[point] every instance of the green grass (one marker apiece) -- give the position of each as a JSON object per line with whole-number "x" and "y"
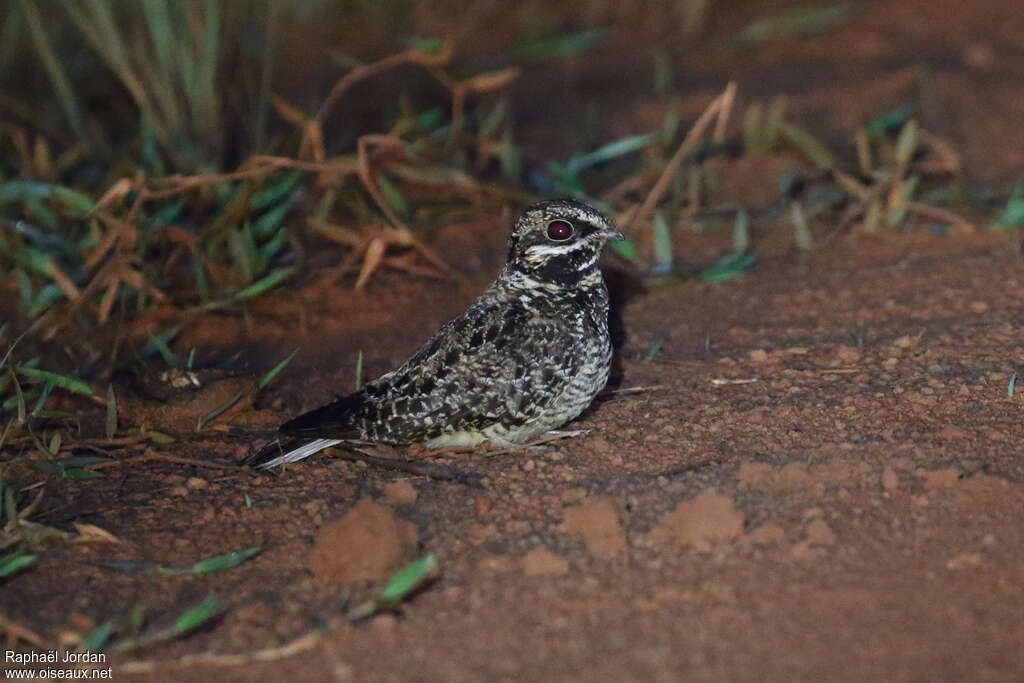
{"x": 400, "y": 586}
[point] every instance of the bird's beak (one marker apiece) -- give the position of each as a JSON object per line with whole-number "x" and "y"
{"x": 613, "y": 233}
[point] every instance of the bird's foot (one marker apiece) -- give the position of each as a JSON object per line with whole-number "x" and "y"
{"x": 556, "y": 434}
{"x": 537, "y": 444}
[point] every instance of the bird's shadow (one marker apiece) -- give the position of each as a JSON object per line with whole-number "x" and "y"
{"x": 623, "y": 286}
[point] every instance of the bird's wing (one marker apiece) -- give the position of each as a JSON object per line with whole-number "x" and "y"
{"x": 498, "y": 362}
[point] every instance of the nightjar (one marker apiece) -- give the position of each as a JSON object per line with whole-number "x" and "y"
{"x": 526, "y": 357}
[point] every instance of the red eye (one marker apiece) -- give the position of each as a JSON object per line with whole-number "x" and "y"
{"x": 559, "y": 231}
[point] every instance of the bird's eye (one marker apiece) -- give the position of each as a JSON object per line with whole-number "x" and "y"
{"x": 559, "y": 230}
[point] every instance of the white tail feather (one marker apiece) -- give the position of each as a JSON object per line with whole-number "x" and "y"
{"x": 304, "y": 451}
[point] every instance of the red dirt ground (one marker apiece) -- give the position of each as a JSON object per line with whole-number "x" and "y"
{"x": 821, "y": 477}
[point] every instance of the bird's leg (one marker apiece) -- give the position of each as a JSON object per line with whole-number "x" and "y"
{"x": 548, "y": 437}
{"x": 556, "y": 434}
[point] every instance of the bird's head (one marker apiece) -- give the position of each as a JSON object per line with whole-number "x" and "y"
{"x": 559, "y": 240}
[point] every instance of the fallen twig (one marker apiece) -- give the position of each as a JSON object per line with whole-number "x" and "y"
{"x": 425, "y": 469}
{"x": 716, "y": 108}
{"x": 213, "y": 659}
{"x": 150, "y": 455}
{"x": 14, "y": 632}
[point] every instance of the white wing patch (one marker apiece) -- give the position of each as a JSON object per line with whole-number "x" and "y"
{"x": 300, "y": 453}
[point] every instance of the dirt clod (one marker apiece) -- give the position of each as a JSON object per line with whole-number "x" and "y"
{"x": 543, "y": 562}
{"x": 596, "y": 521}
{"x": 400, "y": 493}
{"x": 938, "y": 479}
{"x": 708, "y": 518}
{"x": 766, "y": 534}
{"x": 818, "y": 531}
{"x": 363, "y": 545}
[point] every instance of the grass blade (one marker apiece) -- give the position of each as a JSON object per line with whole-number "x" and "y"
{"x": 729, "y": 266}
{"x": 808, "y": 144}
{"x": 561, "y": 47}
{"x": 662, "y": 244}
{"x": 18, "y": 395}
{"x": 47, "y": 296}
{"x": 47, "y": 388}
{"x": 359, "y": 370}
{"x": 612, "y": 150}
{"x": 212, "y": 415}
{"x": 264, "y": 284}
{"x": 274, "y": 371}
{"x": 163, "y": 349}
{"x": 268, "y": 222}
{"x": 741, "y": 232}
{"x": 402, "y": 584}
{"x": 624, "y": 248}
{"x": 62, "y": 381}
{"x": 159, "y": 343}
{"x": 13, "y": 563}
{"x": 54, "y": 70}
{"x": 194, "y": 617}
{"x": 801, "y": 230}
{"x": 111, "y": 424}
{"x": 98, "y": 637}
{"x": 225, "y": 561}
{"x": 510, "y": 159}
{"x": 77, "y": 474}
{"x": 1013, "y": 215}
{"x": 805, "y": 20}
{"x": 393, "y": 196}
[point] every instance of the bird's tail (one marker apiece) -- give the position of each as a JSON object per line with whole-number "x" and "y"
{"x": 279, "y": 452}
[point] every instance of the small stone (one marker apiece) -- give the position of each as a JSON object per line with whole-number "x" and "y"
{"x": 498, "y": 564}
{"x": 846, "y": 355}
{"x": 890, "y": 480}
{"x": 758, "y": 356}
{"x": 801, "y": 550}
{"x": 794, "y": 475}
{"x": 179, "y": 491}
{"x": 979, "y": 55}
{"x": 483, "y": 505}
{"x": 400, "y": 493}
{"x": 573, "y": 495}
{"x": 965, "y": 561}
{"x": 819, "y": 532}
{"x": 938, "y": 479}
{"x": 478, "y": 533}
{"x": 197, "y": 483}
{"x": 754, "y": 474}
{"x": 766, "y": 534}
{"x": 383, "y": 624}
{"x": 952, "y": 433}
{"x": 543, "y": 562}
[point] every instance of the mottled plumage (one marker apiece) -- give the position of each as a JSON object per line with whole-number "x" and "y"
{"x": 526, "y": 357}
